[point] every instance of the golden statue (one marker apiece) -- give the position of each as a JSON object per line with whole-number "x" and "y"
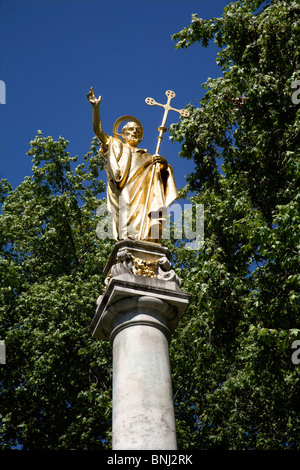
{"x": 140, "y": 186}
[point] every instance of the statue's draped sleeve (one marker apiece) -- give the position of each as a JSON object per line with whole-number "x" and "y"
{"x": 129, "y": 177}
{"x": 116, "y": 167}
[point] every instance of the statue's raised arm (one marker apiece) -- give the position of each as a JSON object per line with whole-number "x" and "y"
{"x": 95, "y": 102}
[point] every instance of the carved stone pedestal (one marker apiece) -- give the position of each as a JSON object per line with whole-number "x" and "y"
{"x": 138, "y": 312}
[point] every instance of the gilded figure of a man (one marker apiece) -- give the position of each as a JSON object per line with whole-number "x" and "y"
{"x": 137, "y": 195}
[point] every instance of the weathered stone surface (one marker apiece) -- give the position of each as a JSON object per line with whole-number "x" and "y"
{"x": 143, "y": 413}
{"x": 140, "y": 258}
{"x": 144, "y": 250}
{"x": 129, "y": 289}
{"x": 138, "y": 313}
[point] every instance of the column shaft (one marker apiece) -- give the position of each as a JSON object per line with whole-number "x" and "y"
{"x": 143, "y": 412}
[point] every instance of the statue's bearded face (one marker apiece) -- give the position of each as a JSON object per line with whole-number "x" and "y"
{"x": 131, "y": 133}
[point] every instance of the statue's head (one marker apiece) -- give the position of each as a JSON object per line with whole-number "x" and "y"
{"x": 132, "y": 133}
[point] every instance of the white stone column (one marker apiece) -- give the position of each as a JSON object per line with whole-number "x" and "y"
{"x": 143, "y": 411}
{"x": 138, "y": 315}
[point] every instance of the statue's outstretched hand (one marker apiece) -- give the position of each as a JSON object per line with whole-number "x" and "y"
{"x": 92, "y": 98}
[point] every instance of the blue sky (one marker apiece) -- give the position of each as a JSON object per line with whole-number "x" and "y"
{"x": 53, "y": 51}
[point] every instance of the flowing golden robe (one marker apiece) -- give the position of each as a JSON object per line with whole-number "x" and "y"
{"x": 129, "y": 172}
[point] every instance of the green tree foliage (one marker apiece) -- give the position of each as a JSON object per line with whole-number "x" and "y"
{"x": 234, "y": 381}
{"x": 56, "y": 383}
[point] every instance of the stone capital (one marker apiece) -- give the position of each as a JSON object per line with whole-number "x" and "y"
{"x": 129, "y": 301}
{"x": 141, "y": 288}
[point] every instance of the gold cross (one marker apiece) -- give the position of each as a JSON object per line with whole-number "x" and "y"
{"x": 183, "y": 112}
